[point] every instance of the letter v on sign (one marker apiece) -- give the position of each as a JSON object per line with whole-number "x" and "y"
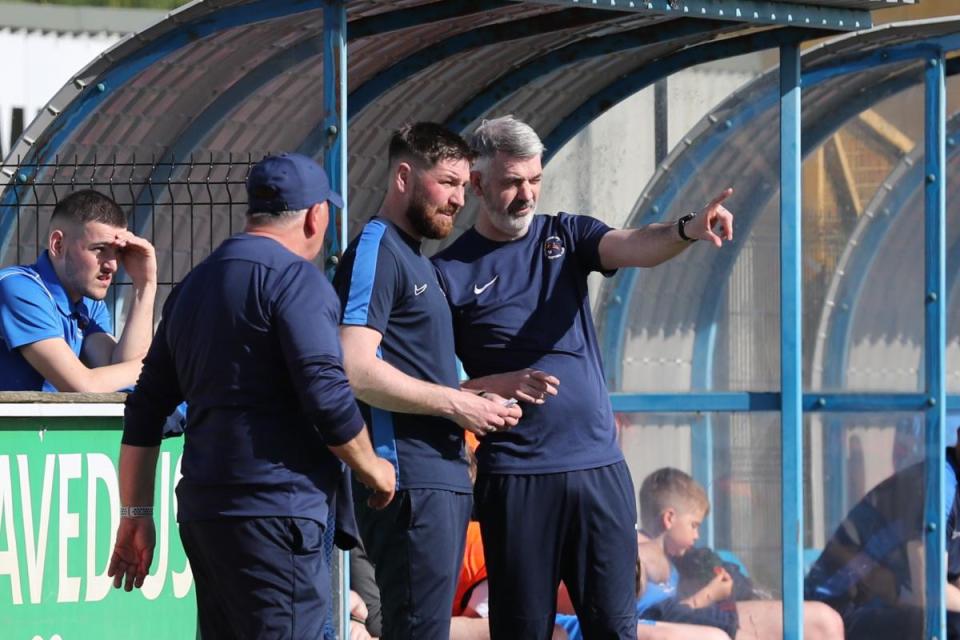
{"x": 36, "y": 546}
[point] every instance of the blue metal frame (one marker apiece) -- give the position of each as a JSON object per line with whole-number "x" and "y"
{"x": 791, "y": 343}
{"x": 705, "y": 330}
{"x": 335, "y": 119}
{"x": 934, "y": 401}
{"x": 935, "y": 343}
{"x": 614, "y": 318}
{"x": 335, "y": 162}
{"x": 759, "y": 401}
{"x": 882, "y": 56}
{"x": 755, "y": 11}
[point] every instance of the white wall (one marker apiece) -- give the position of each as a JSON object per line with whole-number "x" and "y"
{"x": 36, "y": 65}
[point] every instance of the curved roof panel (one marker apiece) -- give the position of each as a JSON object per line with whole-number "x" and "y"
{"x": 226, "y": 79}
{"x": 201, "y": 72}
{"x": 864, "y": 341}
{"x": 737, "y": 143}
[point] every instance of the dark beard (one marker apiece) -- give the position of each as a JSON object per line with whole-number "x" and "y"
{"x": 434, "y": 224}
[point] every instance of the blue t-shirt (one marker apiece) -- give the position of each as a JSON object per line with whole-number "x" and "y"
{"x": 250, "y": 340}
{"x": 524, "y": 303}
{"x": 34, "y": 307}
{"x": 385, "y": 283}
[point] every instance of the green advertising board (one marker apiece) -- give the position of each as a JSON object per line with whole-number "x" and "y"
{"x": 59, "y": 510}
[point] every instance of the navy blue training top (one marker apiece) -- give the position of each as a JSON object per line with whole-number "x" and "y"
{"x": 524, "y": 303}
{"x": 385, "y": 283}
{"x": 250, "y": 340}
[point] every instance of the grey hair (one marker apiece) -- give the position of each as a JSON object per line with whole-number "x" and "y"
{"x": 507, "y": 134}
{"x": 273, "y": 217}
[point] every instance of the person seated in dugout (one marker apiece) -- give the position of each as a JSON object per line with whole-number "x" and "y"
{"x": 672, "y": 506}
{"x": 55, "y": 329}
{"x": 871, "y": 569}
{"x": 647, "y": 629}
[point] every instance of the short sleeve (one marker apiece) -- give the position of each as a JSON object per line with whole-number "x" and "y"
{"x": 27, "y": 312}
{"x": 367, "y": 282}
{"x": 100, "y": 321}
{"x": 585, "y": 233}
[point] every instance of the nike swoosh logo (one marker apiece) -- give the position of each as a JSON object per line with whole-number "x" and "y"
{"x": 418, "y": 290}
{"x": 478, "y": 290}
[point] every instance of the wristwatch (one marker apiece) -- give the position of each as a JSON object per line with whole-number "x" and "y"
{"x": 681, "y": 223}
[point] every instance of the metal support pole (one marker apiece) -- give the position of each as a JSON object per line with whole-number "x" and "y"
{"x": 335, "y": 162}
{"x": 935, "y": 344}
{"x": 335, "y": 121}
{"x": 791, "y": 352}
{"x": 701, "y": 444}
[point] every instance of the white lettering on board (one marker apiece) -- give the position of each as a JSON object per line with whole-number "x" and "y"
{"x": 9, "y": 562}
{"x": 68, "y": 587}
{"x": 100, "y": 467}
{"x": 36, "y": 546}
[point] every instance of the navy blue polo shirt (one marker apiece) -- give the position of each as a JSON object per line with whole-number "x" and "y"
{"x": 34, "y": 307}
{"x": 524, "y": 303}
{"x": 250, "y": 340}
{"x": 385, "y": 283}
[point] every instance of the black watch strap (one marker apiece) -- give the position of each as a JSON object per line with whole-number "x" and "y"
{"x": 682, "y": 223}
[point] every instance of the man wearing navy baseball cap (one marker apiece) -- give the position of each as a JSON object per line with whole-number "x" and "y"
{"x": 288, "y": 182}
{"x": 250, "y": 340}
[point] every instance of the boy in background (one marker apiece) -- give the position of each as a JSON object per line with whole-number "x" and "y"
{"x": 672, "y": 507}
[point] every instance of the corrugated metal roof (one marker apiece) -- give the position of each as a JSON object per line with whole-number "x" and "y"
{"x": 244, "y": 76}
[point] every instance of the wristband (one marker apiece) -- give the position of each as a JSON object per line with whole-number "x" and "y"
{"x": 136, "y": 512}
{"x": 681, "y": 223}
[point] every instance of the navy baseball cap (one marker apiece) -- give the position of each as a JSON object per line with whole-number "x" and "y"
{"x": 288, "y": 182}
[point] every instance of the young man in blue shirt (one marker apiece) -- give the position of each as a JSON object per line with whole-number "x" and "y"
{"x": 249, "y": 340}
{"x": 554, "y": 496}
{"x": 398, "y": 351}
{"x": 55, "y": 330}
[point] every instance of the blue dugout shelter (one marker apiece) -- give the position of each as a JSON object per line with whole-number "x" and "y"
{"x": 184, "y": 105}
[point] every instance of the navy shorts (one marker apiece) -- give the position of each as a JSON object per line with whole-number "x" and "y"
{"x": 416, "y": 547}
{"x": 258, "y": 577}
{"x": 576, "y": 526}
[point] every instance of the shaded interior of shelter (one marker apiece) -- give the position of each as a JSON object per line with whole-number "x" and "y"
{"x": 188, "y": 124}
{"x": 730, "y": 315}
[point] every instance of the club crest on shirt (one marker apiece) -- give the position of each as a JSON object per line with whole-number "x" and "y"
{"x": 553, "y": 247}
